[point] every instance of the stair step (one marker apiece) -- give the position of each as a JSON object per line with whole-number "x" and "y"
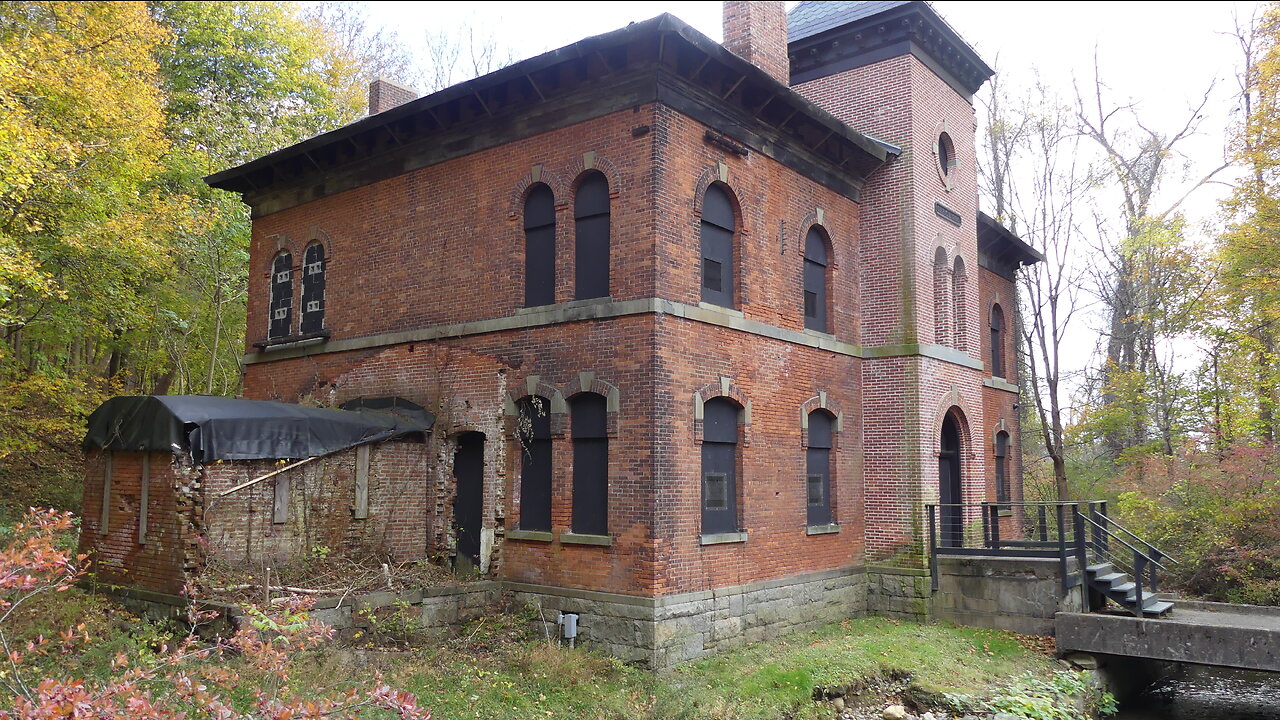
{"x": 1111, "y": 578}
{"x": 1125, "y": 589}
{"x": 1158, "y": 608}
{"x": 1100, "y": 568}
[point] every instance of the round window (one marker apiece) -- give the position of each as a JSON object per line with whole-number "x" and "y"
{"x": 946, "y": 154}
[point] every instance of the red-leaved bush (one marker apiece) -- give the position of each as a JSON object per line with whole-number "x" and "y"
{"x": 190, "y": 678}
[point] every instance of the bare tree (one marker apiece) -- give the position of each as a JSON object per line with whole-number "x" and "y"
{"x": 461, "y": 53}
{"x": 1138, "y": 158}
{"x": 1034, "y": 177}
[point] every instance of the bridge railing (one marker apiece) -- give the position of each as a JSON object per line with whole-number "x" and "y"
{"x": 1065, "y": 531}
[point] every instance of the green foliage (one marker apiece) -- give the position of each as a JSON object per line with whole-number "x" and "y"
{"x": 1062, "y": 695}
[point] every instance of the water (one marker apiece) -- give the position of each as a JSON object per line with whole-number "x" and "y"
{"x": 1206, "y": 693}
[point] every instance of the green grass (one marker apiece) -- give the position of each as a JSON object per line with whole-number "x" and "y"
{"x": 516, "y": 676}
{"x": 501, "y": 667}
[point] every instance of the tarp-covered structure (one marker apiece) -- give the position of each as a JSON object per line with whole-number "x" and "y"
{"x": 218, "y": 428}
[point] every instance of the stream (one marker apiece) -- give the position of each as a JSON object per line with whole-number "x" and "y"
{"x": 1208, "y": 693}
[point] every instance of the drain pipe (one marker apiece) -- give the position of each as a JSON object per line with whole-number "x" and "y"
{"x": 568, "y": 623}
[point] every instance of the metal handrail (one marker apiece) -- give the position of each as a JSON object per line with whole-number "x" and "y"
{"x": 1122, "y": 542}
{"x": 1153, "y": 548}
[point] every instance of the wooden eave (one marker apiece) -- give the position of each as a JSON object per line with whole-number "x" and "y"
{"x": 658, "y": 60}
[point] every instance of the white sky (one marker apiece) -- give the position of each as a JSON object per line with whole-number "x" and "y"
{"x": 1161, "y": 57}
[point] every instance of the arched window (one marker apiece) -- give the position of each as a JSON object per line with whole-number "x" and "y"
{"x": 590, "y": 464}
{"x": 535, "y": 463}
{"x": 539, "y": 246}
{"x": 591, "y": 237}
{"x": 313, "y": 267}
{"x": 815, "y": 280}
{"x": 718, "y": 224}
{"x": 942, "y": 307}
{"x": 959, "y": 281}
{"x": 1002, "y": 467}
{"x": 818, "y": 468}
{"x": 719, "y": 467}
{"x": 997, "y": 341}
{"x": 281, "y": 319}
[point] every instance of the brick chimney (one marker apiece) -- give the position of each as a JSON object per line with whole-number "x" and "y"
{"x": 384, "y": 95}
{"x": 757, "y": 33}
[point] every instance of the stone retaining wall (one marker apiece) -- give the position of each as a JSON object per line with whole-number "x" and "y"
{"x": 1017, "y": 594}
{"x": 902, "y": 593}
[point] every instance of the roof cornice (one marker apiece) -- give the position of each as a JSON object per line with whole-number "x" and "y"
{"x": 590, "y": 78}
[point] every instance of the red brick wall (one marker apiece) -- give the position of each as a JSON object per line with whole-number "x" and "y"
{"x": 239, "y": 528}
{"x": 445, "y": 243}
{"x": 999, "y": 406}
{"x": 901, "y": 101}
{"x": 117, "y": 557}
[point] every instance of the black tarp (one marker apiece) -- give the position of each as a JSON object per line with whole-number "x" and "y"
{"x": 217, "y": 428}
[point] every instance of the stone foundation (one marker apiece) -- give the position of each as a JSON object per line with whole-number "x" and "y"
{"x": 1017, "y": 594}
{"x": 663, "y": 632}
{"x": 902, "y": 593}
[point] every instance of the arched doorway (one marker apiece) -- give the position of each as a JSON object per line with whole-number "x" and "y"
{"x": 949, "y": 495}
{"x": 468, "y": 503}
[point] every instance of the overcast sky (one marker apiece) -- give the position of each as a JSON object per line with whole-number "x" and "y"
{"x": 1161, "y": 57}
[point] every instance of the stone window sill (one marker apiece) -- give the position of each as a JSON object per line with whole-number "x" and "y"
{"x": 822, "y": 529}
{"x": 534, "y": 535}
{"x": 550, "y": 307}
{"x": 721, "y": 308}
{"x": 577, "y": 539}
{"x": 724, "y": 538}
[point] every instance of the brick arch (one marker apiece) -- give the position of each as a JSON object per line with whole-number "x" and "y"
{"x": 726, "y": 389}
{"x": 709, "y": 177}
{"x": 282, "y": 243}
{"x": 1000, "y": 426}
{"x": 587, "y": 382}
{"x": 821, "y": 401}
{"x": 952, "y": 403}
{"x": 539, "y": 174}
{"x": 817, "y": 219}
{"x": 603, "y": 165}
{"x": 534, "y": 386}
{"x": 959, "y": 294}
{"x": 317, "y": 235}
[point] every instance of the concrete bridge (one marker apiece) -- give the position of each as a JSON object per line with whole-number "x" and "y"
{"x": 1236, "y": 636}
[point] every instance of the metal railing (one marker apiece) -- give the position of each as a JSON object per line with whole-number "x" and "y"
{"x": 1059, "y": 530}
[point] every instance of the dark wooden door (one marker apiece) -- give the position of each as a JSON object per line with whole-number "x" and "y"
{"x": 949, "y": 495}
{"x": 468, "y": 470}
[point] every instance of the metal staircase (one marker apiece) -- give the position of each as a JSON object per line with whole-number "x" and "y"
{"x": 1119, "y": 567}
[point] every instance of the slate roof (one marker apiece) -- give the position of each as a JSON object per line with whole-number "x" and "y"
{"x": 815, "y": 16}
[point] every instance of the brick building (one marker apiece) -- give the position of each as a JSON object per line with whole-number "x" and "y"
{"x": 703, "y": 327}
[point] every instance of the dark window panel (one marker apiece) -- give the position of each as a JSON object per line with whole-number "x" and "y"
{"x": 718, "y": 224}
{"x": 589, "y": 415}
{"x": 535, "y": 464}
{"x": 281, "y": 308}
{"x": 997, "y": 341}
{"x": 815, "y": 247}
{"x": 1002, "y": 467}
{"x": 539, "y": 247}
{"x": 818, "y": 468}
{"x": 591, "y": 263}
{"x": 592, "y": 197}
{"x": 313, "y": 283}
{"x": 719, "y": 466}
{"x": 815, "y": 281}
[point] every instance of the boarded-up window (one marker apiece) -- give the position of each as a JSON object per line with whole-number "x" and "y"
{"x": 535, "y": 464}
{"x": 1002, "y": 467}
{"x": 818, "y": 469}
{"x": 997, "y": 341}
{"x": 313, "y": 269}
{"x": 280, "y": 499}
{"x": 718, "y": 224}
{"x": 719, "y": 467}
{"x": 104, "y": 519}
{"x": 590, "y": 464}
{"x": 144, "y": 499}
{"x": 815, "y": 280}
{"x": 281, "y": 296}
{"x": 591, "y": 237}
{"x": 361, "y": 509}
{"x": 539, "y": 247}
